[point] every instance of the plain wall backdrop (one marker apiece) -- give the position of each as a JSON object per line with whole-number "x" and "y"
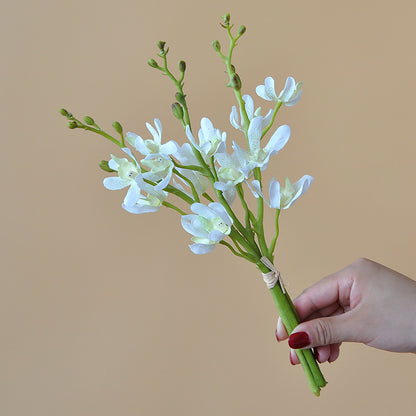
{"x": 107, "y": 313}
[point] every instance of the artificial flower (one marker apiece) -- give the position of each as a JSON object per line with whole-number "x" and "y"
{"x": 249, "y": 107}
{"x": 283, "y": 198}
{"x": 147, "y": 147}
{"x": 289, "y": 96}
{"x": 209, "y": 226}
{"x": 127, "y": 172}
{"x": 256, "y": 156}
{"x": 211, "y": 140}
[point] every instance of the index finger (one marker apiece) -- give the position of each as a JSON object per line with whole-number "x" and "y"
{"x": 331, "y": 290}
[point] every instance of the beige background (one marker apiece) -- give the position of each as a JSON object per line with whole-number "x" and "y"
{"x": 107, "y": 313}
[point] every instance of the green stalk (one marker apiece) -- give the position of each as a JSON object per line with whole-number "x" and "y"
{"x": 267, "y": 128}
{"x": 259, "y": 228}
{"x": 290, "y": 320}
{"x": 169, "y": 205}
{"x": 189, "y": 182}
{"x": 276, "y": 235}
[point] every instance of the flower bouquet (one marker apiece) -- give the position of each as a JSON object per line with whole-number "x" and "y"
{"x": 204, "y": 177}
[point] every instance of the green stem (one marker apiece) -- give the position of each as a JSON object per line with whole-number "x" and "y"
{"x": 98, "y": 131}
{"x": 169, "y": 205}
{"x": 179, "y": 86}
{"x": 276, "y": 235}
{"x": 267, "y": 128}
{"x": 230, "y": 72}
{"x": 291, "y": 321}
{"x": 259, "y": 228}
{"x": 206, "y": 196}
{"x": 172, "y": 190}
{"x": 189, "y": 182}
{"x": 249, "y": 216}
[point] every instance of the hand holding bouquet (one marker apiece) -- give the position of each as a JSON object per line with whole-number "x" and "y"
{"x": 202, "y": 178}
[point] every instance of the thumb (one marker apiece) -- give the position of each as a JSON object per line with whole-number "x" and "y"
{"x": 324, "y": 331}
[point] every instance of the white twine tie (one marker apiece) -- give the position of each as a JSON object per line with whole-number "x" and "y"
{"x": 273, "y": 276}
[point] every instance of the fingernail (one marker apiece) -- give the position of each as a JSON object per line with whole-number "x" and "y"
{"x": 299, "y": 340}
{"x": 277, "y": 336}
{"x": 291, "y": 359}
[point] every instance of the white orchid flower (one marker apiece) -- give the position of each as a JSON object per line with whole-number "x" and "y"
{"x": 249, "y": 106}
{"x": 149, "y": 203}
{"x": 127, "y": 171}
{"x": 211, "y": 140}
{"x": 147, "y": 147}
{"x": 256, "y": 156}
{"x": 229, "y": 175}
{"x": 161, "y": 167}
{"x": 186, "y": 156}
{"x": 283, "y": 198}
{"x": 289, "y": 96}
{"x": 209, "y": 226}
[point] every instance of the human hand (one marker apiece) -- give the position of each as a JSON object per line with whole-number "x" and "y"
{"x": 365, "y": 302}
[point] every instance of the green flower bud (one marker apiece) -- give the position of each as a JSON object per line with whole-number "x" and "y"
{"x": 117, "y": 127}
{"x": 226, "y": 19}
{"x": 177, "y": 111}
{"x": 63, "y": 112}
{"x": 72, "y": 124}
{"x": 152, "y": 63}
{"x": 89, "y": 121}
{"x": 236, "y": 82}
{"x": 182, "y": 66}
{"x": 181, "y": 98}
{"x": 216, "y": 45}
{"x": 104, "y": 166}
{"x": 241, "y": 30}
{"x": 161, "y": 45}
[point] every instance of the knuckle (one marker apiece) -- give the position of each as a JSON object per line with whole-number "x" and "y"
{"x": 323, "y": 332}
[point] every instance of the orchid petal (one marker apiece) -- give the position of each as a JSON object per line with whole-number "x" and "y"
{"x": 254, "y": 133}
{"x": 274, "y": 194}
{"x": 115, "y": 183}
{"x": 132, "y": 196}
{"x": 278, "y": 140}
{"x": 202, "y": 248}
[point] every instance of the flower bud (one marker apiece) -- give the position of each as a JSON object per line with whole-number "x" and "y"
{"x": 216, "y": 45}
{"x": 182, "y": 66}
{"x": 161, "y": 45}
{"x": 236, "y": 82}
{"x": 152, "y": 63}
{"x": 72, "y": 124}
{"x": 241, "y": 30}
{"x": 177, "y": 111}
{"x": 104, "y": 166}
{"x": 89, "y": 121}
{"x": 63, "y": 112}
{"x": 226, "y": 19}
{"x": 181, "y": 98}
{"x": 117, "y": 127}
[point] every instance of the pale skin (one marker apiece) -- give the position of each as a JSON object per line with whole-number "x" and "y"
{"x": 366, "y": 302}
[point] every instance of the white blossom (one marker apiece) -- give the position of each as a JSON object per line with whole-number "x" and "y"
{"x": 229, "y": 175}
{"x": 149, "y": 146}
{"x": 208, "y": 227}
{"x": 211, "y": 140}
{"x": 249, "y": 106}
{"x": 283, "y": 198}
{"x": 289, "y": 96}
{"x": 257, "y": 156}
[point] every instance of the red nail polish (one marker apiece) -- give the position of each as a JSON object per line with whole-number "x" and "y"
{"x": 291, "y": 360}
{"x": 299, "y": 340}
{"x": 277, "y": 336}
